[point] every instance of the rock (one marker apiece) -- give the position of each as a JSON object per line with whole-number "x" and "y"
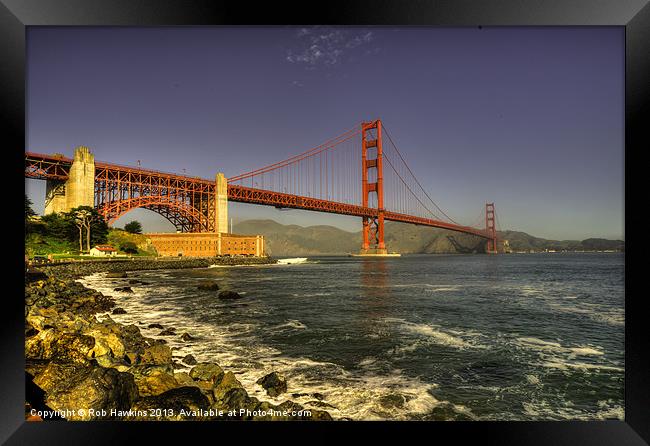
{"x": 184, "y": 379}
{"x": 236, "y": 399}
{"x": 117, "y": 275}
{"x": 155, "y": 326}
{"x": 228, "y": 295}
{"x": 225, "y": 384}
{"x": 167, "y": 332}
{"x": 187, "y": 337}
{"x": 156, "y": 353}
{"x": 53, "y": 344}
{"x": 273, "y": 383}
{"x": 318, "y": 396}
{"x": 208, "y": 286}
{"x": 123, "y": 289}
{"x": 89, "y": 387}
{"x": 206, "y": 371}
{"x": 189, "y": 360}
{"x": 155, "y": 383}
{"x": 119, "y": 311}
{"x": 188, "y": 398}
{"x": 137, "y": 282}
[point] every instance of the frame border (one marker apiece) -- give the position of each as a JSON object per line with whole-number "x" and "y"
{"x": 634, "y": 15}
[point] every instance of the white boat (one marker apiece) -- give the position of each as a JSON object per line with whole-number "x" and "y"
{"x": 292, "y": 260}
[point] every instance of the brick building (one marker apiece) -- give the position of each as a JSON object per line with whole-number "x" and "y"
{"x": 206, "y": 244}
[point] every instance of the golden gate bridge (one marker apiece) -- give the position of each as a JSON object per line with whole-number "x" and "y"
{"x": 359, "y": 173}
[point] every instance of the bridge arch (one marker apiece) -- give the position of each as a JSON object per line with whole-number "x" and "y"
{"x": 183, "y": 216}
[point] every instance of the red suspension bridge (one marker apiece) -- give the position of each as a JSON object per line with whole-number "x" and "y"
{"x": 360, "y": 172}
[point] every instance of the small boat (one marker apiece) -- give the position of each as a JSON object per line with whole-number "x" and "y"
{"x": 292, "y": 260}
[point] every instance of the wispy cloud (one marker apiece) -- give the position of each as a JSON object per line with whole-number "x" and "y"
{"x": 325, "y": 47}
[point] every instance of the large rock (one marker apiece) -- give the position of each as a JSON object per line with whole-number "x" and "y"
{"x": 273, "y": 383}
{"x": 74, "y": 387}
{"x": 229, "y": 295}
{"x": 226, "y": 383}
{"x": 155, "y": 383}
{"x": 206, "y": 371}
{"x": 62, "y": 346}
{"x": 234, "y": 400}
{"x": 184, "y": 379}
{"x": 189, "y": 360}
{"x": 187, "y": 398}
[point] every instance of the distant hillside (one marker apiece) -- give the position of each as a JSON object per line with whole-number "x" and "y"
{"x": 287, "y": 240}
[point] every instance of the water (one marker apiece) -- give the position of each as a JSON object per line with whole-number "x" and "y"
{"x": 437, "y": 337}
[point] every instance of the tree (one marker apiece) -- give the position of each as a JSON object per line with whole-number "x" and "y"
{"x": 29, "y": 212}
{"x": 82, "y": 220}
{"x": 134, "y": 227}
{"x": 86, "y": 217}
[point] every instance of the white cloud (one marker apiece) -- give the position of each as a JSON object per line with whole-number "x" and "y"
{"x": 320, "y": 46}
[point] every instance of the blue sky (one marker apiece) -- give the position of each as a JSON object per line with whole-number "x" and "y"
{"x": 530, "y": 118}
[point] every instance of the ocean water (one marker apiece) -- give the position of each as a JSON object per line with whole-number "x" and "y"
{"x": 421, "y": 337}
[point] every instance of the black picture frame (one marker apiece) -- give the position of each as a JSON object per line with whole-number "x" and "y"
{"x": 16, "y": 15}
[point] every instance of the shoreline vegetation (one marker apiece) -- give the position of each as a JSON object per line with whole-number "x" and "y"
{"x": 81, "y": 367}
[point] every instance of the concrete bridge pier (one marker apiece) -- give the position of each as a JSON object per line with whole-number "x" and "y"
{"x": 78, "y": 189}
{"x": 221, "y": 203}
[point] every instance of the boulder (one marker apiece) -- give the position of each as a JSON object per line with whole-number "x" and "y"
{"x": 123, "y": 289}
{"x": 156, "y": 353}
{"x": 119, "y": 311}
{"x": 236, "y": 399}
{"x": 209, "y": 285}
{"x": 273, "y": 383}
{"x": 155, "y": 326}
{"x": 167, "y": 332}
{"x": 229, "y": 295}
{"x": 206, "y": 371}
{"x": 188, "y": 398}
{"x": 89, "y": 387}
{"x": 63, "y": 346}
{"x": 189, "y": 360}
{"x": 226, "y": 383}
{"x": 154, "y": 382}
{"x": 187, "y": 337}
{"x": 184, "y": 379}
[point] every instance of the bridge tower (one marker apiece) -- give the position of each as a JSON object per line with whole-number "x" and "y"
{"x": 372, "y": 181}
{"x": 78, "y": 189}
{"x": 490, "y": 228}
{"x": 220, "y": 203}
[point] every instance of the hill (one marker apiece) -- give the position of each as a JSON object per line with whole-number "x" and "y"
{"x": 287, "y": 240}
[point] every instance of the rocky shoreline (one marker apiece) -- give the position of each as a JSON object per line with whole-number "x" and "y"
{"x": 81, "y": 367}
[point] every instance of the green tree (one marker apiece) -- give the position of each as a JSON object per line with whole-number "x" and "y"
{"x": 92, "y": 224}
{"x": 29, "y": 212}
{"x": 134, "y": 227}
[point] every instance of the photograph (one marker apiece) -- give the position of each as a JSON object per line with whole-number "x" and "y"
{"x": 367, "y": 223}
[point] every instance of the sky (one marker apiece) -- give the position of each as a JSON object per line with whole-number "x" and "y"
{"x": 529, "y": 118}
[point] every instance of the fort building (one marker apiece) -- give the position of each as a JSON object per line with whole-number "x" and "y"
{"x": 206, "y": 244}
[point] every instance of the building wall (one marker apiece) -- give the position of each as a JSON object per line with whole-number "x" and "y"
{"x": 206, "y": 244}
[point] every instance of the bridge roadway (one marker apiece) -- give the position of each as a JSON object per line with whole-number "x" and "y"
{"x": 52, "y": 167}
